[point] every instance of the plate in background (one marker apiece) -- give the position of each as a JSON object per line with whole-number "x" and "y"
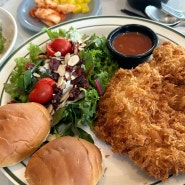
{"x": 9, "y": 31}
{"x": 35, "y": 25}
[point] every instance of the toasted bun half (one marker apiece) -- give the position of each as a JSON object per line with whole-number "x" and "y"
{"x": 23, "y": 127}
{"x": 65, "y": 161}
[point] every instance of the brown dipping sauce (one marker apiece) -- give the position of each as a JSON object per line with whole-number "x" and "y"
{"x": 132, "y": 43}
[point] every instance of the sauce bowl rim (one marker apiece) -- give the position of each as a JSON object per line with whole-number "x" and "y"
{"x": 151, "y": 34}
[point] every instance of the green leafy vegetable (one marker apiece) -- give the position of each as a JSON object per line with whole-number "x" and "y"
{"x": 22, "y": 80}
{"x": 99, "y": 67}
{"x": 98, "y": 60}
{"x": 71, "y": 34}
{"x": 2, "y": 40}
{"x": 76, "y": 115}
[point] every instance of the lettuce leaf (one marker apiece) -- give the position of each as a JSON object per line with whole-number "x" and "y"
{"x": 74, "y": 116}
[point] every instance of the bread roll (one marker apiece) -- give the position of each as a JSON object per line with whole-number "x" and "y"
{"x": 65, "y": 161}
{"x": 23, "y": 127}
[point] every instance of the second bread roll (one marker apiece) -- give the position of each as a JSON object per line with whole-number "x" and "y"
{"x": 65, "y": 161}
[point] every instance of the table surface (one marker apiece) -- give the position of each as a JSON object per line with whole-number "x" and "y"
{"x": 109, "y": 7}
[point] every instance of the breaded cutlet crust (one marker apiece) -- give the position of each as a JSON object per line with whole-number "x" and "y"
{"x": 142, "y": 113}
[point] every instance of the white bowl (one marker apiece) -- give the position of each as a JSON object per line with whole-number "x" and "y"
{"x": 9, "y": 31}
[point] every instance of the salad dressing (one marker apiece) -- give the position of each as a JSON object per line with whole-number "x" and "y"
{"x": 132, "y": 43}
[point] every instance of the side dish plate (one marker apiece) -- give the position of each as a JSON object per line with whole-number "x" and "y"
{"x": 35, "y": 25}
{"x": 9, "y": 31}
{"x": 118, "y": 169}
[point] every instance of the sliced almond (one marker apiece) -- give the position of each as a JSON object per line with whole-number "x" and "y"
{"x": 68, "y": 76}
{"x": 36, "y": 75}
{"x": 81, "y": 48}
{"x": 63, "y": 86}
{"x": 66, "y": 94}
{"x": 63, "y": 104}
{"x": 80, "y": 41}
{"x": 83, "y": 45}
{"x": 47, "y": 61}
{"x": 86, "y": 38}
{"x": 46, "y": 65}
{"x": 61, "y": 70}
{"x": 73, "y": 60}
{"x": 50, "y": 109}
{"x": 76, "y": 49}
{"x": 60, "y": 81}
{"x": 66, "y": 58}
{"x": 73, "y": 77}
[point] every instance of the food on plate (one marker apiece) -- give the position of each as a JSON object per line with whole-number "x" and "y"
{"x": 142, "y": 113}
{"x": 72, "y": 71}
{"x": 64, "y": 7}
{"x": 42, "y": 91}
{"x": 48, "y": 16}
{"x": 52, "y": 12}
{"x": 23, "y": 128}
{"x": 2, "y": 39}
{"x": 61, "y": 45}
{"x": 132, "y": 43}
{"x": 66, "y": 160}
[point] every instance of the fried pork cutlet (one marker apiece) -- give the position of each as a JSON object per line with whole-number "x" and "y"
{"x": 142, "y": 113}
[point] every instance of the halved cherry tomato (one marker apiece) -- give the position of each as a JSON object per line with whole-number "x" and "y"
{"x": 43, "y": 91}
{"x": 59, "y": 44}
{"x": 48, "y": 81}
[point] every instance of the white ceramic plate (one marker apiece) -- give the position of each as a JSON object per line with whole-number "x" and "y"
{"x": 119, "y": 169}
{"x": 35, "y": 25}
{"x": 9, "y": 31}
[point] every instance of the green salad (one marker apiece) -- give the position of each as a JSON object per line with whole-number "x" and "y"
{"x": 73, "y": 70}
{"x": 2, "y": 40}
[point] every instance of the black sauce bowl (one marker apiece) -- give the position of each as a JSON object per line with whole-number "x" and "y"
{"x": 141, "y": 4}
{"x": 131, "y": 61}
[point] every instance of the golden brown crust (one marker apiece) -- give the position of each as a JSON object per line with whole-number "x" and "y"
{"x": 23, "y": 127}
{"x": 65, "y": 161}
{"x": 142, "y": 113}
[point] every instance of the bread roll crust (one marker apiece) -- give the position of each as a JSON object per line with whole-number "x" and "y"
{"x": 23, "y": 127}
{"x": 65, "y": 161}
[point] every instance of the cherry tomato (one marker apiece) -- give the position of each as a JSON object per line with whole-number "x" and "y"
{"x": 42, "y": 81}
{"x": 59, "y": 44}
{"x": 42, "y": 91}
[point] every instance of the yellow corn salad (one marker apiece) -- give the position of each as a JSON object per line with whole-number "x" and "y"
{"x": 82, "y": 6}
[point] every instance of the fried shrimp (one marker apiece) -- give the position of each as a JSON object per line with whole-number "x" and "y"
{"x": 142, "y": 113}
